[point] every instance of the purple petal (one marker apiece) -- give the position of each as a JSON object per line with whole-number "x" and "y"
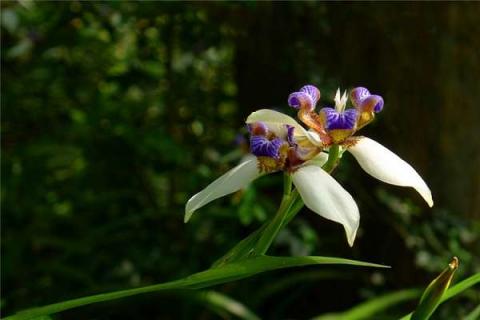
{"x": 344, "y": 121}
{"x": 358, "y": 94}
{"x": 299, "y": 100}
{"x": 372, "y": 103}
{"x": 362, "y": 99}
{"x": 262, "y": 147}
{"x": 290, "y": 138}
{"x": 306, "y": 98}
{"x": 313, "y": 92}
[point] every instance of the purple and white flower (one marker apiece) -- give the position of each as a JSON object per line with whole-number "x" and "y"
{"x": 280, "y": 143}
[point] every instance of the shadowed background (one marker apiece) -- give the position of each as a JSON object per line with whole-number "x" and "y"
{"x": 114, "y": 114}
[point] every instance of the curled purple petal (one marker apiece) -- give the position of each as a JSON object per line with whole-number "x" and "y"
{"x": 345, "y": 120}
{"x": 306, "y": 98}
{"x": 362, "y": 99}
{"x": 312, "y": 92}
{"x": 262, "y": 147}
{"x": 358, "y": 94}
{"x": 372, "y": 103}
{"x": 300, "y": 100}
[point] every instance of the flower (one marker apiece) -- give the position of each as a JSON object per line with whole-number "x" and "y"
{"x": 280, "y": 143}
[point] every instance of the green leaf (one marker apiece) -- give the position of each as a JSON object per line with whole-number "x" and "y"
{"x": 220, "y": 302}
{"x": 372, "y": 307}
{"x": 226, "y": 273}
{"x": 455, "y": 290}
{"x": 434, "y": 292}
{"x": 242, "y": 249}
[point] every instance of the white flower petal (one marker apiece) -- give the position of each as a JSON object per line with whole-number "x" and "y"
{"x": 386, "y": 166}
{"x": 234, "y": 180}
{"x": 272, "y": 116}
{"x": 325, "y": 196}
{"x": 276, "y": 121}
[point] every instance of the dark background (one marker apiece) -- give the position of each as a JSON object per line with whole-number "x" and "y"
{"x": 114, "y": 114}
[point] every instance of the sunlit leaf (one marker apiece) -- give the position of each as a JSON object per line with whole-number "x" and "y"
{"x": 434, "y": 292}
{"x": 372, "y": 307}
{"x": 217, "y": 300}
{"x": 226, "y": 273}
{"x": 455, "y": 290}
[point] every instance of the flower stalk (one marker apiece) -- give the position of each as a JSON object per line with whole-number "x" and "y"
{"x": 333, "y": 158}
{"x": 278, "y": 221}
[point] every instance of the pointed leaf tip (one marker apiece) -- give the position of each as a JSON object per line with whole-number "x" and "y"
{"x": 435, "y": 291}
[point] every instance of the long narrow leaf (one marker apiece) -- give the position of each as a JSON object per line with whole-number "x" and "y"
{"x": 371, "y": 308}
{"x": 225, "y": 273}
{"x": 242, "y": 249}
{"x": 434, "y": 292}
{"x": 220, "y": 302}
{"x": 455, "y": 290}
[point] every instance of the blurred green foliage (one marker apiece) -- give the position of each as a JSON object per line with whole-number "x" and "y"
{"x": 115, "y": 113}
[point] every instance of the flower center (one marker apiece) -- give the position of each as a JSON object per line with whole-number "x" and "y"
{"x": 279, "y": 153}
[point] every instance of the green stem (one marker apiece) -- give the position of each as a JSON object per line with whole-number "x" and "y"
{"x": 278, "y": 221}
{"x": 287, "y": 184}
{"x": 296, "y": 206}
{"x": 245, "y": 248}
{"x": 333, "y": 157}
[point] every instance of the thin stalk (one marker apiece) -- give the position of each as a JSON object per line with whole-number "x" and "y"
{"x": 297, "y": 205}
{"x": 277, "y": 222}
{"x": 333, "y": 157}
{"x": 287, "y": 184}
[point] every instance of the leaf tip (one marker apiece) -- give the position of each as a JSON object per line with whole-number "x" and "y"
{"x": 454, "y": 263}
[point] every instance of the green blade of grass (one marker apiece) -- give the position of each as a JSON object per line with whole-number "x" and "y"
{"x": 228, "y": 272}
{"x": 216, "y": 300}
{"x": 433, "y": 294}
{"x": 370, "y": 308}
{"x": 455, "y": 290}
